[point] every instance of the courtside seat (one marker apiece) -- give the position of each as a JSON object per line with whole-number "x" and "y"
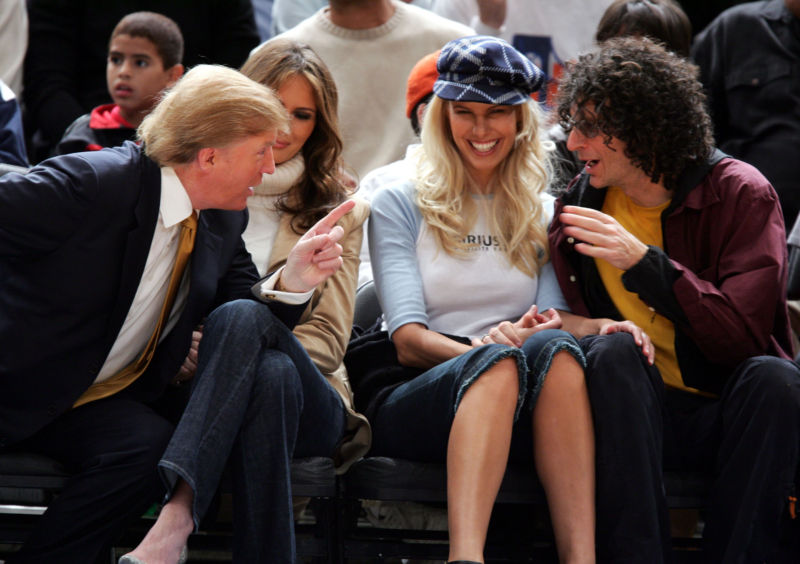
{"x": 29, "y": 479}
{"x": 28, "y": 483}
{"x": 394, "y": 479}
{"x": 315, "y": 478}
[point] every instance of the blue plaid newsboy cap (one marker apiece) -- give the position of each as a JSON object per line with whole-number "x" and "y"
{"x": 485, "y": 69}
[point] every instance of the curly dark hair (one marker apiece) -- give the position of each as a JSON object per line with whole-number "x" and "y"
{"x": 633, "y": 89}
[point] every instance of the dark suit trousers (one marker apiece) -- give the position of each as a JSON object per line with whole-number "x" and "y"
{"x": 112, "y": 446}
{"x": 748, "y": 440}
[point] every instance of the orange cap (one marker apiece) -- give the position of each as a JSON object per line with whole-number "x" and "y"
{"x": 420, "y": 81}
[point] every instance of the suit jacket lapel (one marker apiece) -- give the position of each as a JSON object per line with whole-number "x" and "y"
{"x": 137, "y": 247}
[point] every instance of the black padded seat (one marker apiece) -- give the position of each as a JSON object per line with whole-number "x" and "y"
{"x": 29, "y": 479}
{"x": 313, "y": 477}
{"x": 394, "y": 479}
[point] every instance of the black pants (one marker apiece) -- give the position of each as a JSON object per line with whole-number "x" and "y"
{"x": 112, "y": 446}
{"x": 748, "y": 439}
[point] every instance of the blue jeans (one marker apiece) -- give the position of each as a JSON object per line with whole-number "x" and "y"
{"x": 258, "y": 401}
{"x": 415, "y": 419}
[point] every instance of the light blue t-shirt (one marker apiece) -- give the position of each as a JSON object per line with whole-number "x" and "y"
{"x": 419, "y": 283}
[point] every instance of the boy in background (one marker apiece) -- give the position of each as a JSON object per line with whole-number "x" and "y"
{"x": 144, "y": 59}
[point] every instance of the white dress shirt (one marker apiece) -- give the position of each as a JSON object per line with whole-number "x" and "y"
{"x": 175, "y": 206}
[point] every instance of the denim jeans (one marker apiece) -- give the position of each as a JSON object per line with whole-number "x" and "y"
{"x": 258, "y": 400}
{"x": 415, "y": 419}
{"x": 748, "y": 439}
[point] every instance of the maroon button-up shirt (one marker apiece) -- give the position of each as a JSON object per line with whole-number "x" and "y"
{"x": 721, "y": 277}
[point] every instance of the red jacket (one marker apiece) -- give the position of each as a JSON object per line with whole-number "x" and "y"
{"x": 103, "y": 127}
{"x": 721, "y": 278}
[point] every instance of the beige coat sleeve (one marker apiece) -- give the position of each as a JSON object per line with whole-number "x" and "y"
{"x": 324, "y": 328}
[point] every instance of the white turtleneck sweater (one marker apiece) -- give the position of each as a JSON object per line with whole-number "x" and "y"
{"x": 371, "y": 68}
{"x": 259, "y": 237}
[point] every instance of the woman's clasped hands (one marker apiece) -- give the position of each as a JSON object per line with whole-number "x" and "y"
{"x": 514, "y": 334}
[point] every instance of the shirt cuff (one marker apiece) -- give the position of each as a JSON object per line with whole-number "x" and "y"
{"x": 265, "y": 290}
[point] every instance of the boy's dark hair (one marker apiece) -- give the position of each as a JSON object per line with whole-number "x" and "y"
{"x": 415, "y": 124}
{"x": 661, "y": 20}
{"x": 633, "y": 89}
{"x": 160, "y": 30}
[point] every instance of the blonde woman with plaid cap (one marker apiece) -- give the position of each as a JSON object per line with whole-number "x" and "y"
{"x": 461, "y": 268}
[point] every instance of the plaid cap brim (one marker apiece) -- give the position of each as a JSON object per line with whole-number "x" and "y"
{"x": 484, "y": 93}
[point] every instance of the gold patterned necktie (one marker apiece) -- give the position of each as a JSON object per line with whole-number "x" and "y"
{"x": 130, "y": 373}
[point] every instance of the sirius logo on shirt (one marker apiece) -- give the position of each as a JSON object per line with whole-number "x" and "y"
{"x": 482, "y": 242}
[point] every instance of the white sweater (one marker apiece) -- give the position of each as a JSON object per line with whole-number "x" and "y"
{"x": 288, "y": 13}
{"x": 568, "y": 26}
{"x": 548, "y": 32}
{"x": 370, "y": 68}
{"x": 262, "y": 227}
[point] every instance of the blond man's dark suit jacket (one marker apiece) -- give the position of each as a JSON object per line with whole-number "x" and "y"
{"x": 74, "y": 238}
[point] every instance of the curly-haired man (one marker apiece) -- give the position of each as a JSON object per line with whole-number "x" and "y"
{"x": 663, "y": 229}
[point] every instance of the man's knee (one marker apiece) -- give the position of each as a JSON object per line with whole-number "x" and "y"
{"x": 133, "y": 458}
{"x": 769, "y": 384}
{"x": 149, "y": 440}
{"x": 617, "y": 368}
{"x": 609, "y": 351}
{"x": 246, "y": 315}
{"x": 278, "y": 377}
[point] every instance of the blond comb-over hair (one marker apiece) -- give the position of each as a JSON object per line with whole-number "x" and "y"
{"x": 211, "y": 106}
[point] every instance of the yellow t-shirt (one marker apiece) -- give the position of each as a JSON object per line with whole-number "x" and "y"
{"x": 645, "y": 224}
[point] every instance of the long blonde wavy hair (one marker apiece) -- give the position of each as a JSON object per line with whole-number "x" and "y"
{"x": 516, "y": 213}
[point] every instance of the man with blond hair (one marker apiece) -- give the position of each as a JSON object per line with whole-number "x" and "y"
{"x": 109, "y": 261}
